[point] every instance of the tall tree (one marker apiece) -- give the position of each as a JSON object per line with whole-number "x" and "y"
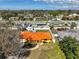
{"x": 68, "y": 45}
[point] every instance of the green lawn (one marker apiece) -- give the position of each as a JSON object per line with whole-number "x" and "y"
{"x": 52, "y": 53}
{"x": 46, "y": 52}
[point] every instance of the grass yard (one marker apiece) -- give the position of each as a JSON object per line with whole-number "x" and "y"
{"x": 47, "y": 51}
{"x": 42, "y": 31}
{"x": 52, "y": 53}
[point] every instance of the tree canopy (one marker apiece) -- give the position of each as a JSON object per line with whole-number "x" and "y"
{"x": 69, "y": 47}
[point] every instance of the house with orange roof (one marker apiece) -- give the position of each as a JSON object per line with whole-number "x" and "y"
{"x": 36, "y": 36}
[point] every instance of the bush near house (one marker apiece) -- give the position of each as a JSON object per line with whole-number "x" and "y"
{"x": 29, "y": 45}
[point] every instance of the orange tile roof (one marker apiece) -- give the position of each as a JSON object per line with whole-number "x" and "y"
{"x": 35, "y": 35}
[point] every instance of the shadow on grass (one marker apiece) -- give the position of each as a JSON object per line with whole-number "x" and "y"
{"x": 24, "y": 54}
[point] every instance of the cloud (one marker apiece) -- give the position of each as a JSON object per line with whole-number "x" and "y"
{"x": 47, "y": 1}
{"x": 63, "y": 1}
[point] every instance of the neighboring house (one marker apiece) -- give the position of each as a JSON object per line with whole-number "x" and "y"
{"x": 58, "y": 24}
{"x": 1, "y": 18}
{"x": 59, "y": 17}
{"x": 26, "y": 16}
{"x": 38, "y": 26}
{"x": 14, "y": 18}
{"x": 61, "y": 27}
{"x": 40, "y": 19}
{"x": 74, "y": 15}
{"x": 20, "y": 14}
{"x": 77, "y": 25}
{"x": 36, "y": 36}
{"x": 13, "y": 28}
{"x": 48, "y": 16}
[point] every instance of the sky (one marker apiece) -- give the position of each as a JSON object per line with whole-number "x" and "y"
{"x": 40, "y": 4}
